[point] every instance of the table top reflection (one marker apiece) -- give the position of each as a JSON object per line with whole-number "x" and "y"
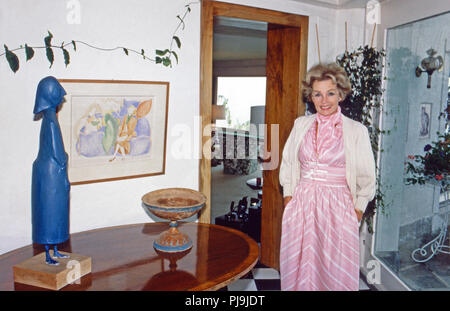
{"x": 123, "y": 258}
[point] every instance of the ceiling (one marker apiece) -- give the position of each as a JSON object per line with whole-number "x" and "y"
{"x": 333, "y": 3}
{"x": 338, "y": 4}
{"x": 238, "y": 39}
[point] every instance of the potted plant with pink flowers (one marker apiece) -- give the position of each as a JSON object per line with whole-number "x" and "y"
{"x": 433, "y": 166}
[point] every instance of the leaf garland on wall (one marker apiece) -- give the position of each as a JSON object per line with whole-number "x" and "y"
{"x": 162, "y": 56}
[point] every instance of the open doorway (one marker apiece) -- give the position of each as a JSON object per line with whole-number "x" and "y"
{"x": 239, "y": 84}
{"x": 285, "y": 67}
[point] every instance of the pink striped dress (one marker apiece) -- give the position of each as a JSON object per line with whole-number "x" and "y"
{"x": 320, "y": 235}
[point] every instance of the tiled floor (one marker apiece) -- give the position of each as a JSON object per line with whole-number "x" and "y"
{"x": 262, "y": 278}
{"x": 431, "y": 275}
{"x": 226, "y": 188}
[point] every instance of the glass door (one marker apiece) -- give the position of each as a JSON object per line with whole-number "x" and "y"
{"x": 411, "y": 234}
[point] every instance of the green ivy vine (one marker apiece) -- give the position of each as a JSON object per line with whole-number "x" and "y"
{"x": 364, "y": 69}
{"x": 161, "y": 56}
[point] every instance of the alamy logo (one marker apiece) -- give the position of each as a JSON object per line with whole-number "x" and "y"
{"x": 74, "y": 275}
{"x": 373, "y": 276}
{"x": 373, "y": 12}
{"x": 74, "y": 14}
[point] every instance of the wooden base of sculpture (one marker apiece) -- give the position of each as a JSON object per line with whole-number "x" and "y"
{"x": 34, "y": 271}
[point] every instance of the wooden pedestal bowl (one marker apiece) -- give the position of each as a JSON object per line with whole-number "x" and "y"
{"x": 173, "y": 204}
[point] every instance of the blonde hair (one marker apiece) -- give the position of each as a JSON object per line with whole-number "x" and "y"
{"x": 321, "y": 72}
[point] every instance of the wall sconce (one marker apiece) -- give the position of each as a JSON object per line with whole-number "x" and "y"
{"x": 218, "y": 112}
{"x": 429, "y": 65}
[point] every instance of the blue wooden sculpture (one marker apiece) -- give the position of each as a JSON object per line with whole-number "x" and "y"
{"x": 50, "y": 185}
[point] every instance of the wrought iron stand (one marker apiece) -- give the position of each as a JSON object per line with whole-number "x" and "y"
{"x": 437, "y": 244}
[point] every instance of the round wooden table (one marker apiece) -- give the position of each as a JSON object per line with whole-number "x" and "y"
{"x": 123, "y": 258}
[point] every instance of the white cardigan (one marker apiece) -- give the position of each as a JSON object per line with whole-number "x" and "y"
{"x": 360, "y": 163}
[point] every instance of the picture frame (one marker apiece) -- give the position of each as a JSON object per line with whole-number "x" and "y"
{"x": 114, "y": 129}
{"x": 424, "y": 120}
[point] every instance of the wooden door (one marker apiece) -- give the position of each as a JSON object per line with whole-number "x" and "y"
{"x": 283, "y": 105}
{"x": 286, "y": 67}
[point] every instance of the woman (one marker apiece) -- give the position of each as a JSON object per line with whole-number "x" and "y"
{"x": 328, "y": 177}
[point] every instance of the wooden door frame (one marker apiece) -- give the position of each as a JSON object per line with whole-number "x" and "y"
{"x": 210, "y": 9}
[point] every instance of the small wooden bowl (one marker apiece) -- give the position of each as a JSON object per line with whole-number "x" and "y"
{"x": 174, "y": 203}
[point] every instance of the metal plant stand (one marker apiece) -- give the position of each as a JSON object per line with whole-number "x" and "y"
{"x": 437, "y": 244}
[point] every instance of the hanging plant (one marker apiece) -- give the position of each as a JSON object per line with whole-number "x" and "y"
{"x": 162, "y": 56}
{"x": 364, "y": 69}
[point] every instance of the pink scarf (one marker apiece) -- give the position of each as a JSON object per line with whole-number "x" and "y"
{"x": 329, "y": 130}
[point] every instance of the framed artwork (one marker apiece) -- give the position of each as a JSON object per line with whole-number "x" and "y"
{"x": 114, "y": 129}
{"x": 425, "y": 120}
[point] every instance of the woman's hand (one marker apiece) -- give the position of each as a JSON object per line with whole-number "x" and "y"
{"x": 286, "y": 200}
{"x": 359, "y": 214}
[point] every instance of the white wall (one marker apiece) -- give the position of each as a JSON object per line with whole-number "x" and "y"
{"x": 330, "y": 25}
{"x": 137, "y": 24}
{"x": 325, "y": 18}
{"x": 398, "y": 12}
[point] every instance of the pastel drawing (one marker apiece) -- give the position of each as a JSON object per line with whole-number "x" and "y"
{"x": 115, "y": 130}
